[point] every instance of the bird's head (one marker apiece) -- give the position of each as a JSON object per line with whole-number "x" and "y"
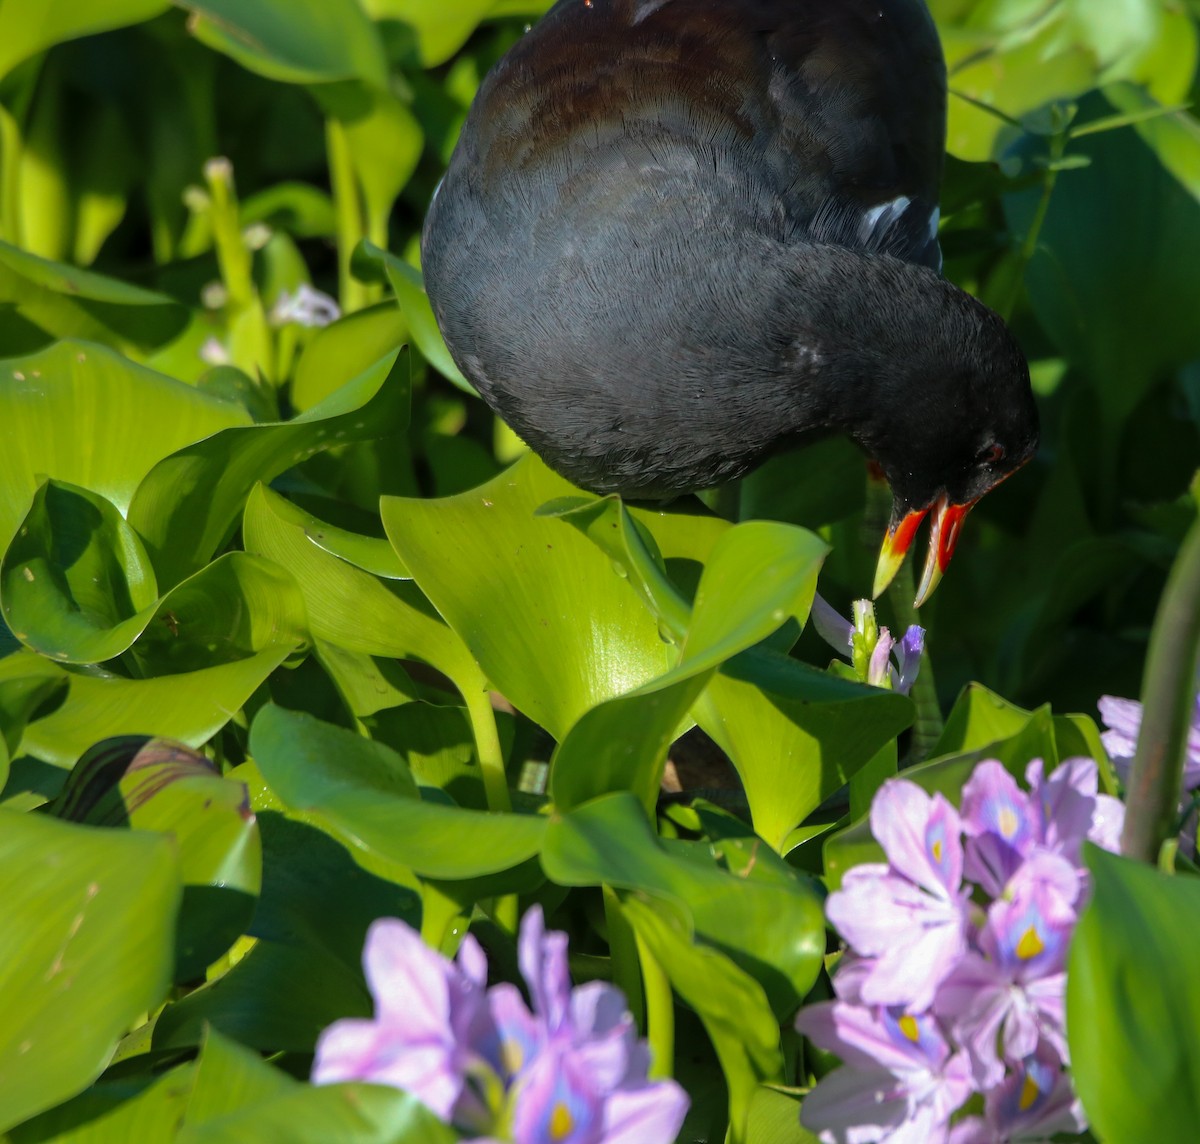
{"x": 973, "y": 424}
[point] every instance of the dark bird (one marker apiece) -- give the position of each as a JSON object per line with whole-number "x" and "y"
{"x": 677, "y": 236}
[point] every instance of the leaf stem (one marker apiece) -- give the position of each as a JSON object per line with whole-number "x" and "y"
{"x": 660, "y": 1013}
{"x": 1168, "y": 695}
{"x": 487, "y": 746}
{"x": 348, "y": 213}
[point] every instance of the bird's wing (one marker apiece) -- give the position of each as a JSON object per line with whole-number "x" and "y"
{"x": 831, "y": 113}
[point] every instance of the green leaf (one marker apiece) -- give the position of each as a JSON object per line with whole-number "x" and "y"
{"x": 342, "y": 350}
{"x": 114, "y": 1112}
{"x": 347, "y": 1113}
{"x": 756, "y": 909}
{"x": 187, "y": 506}
{"x": 795, "y": 734}
{"x": 230, "y": 1077}
{"x": 1133, "y": 1003}
{"x": 69, "y": 413}
{"x": 574, "y": 632}
{"x": 27, "y": 29}
{"x": 438, "y": 29}
{"x": 409, "y": 288}
{"x": 739, "y": 1022}
{"x": 159, "y": 785}
{"x": 68, "y": 302}
{"x": 775, "y": 1118}
{"x": 1124, "y": 341}
{"x": 758, "y": 576}
{"x": 296, "y": 41}
{"x": 362, "y": 792}
{"x": 349, "y": 607}
{"x": 76, "y": 583}
{"x": 229, "y": 627}
{"x": 85, "y": 948}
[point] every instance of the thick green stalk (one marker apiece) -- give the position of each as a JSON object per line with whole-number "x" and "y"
{"x": 1168, "y": 696}
{"x": 660, "y": 1013}
{"x": 487, "y": 746}
{"x": 348, "y": 213}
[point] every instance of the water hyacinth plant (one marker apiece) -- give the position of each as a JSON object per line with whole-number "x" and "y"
{"x": 955, "y": 975}
{"x": 571, "y": 1070}
{"x": 312, "y": 676}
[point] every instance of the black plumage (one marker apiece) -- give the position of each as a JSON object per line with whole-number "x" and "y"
{"x": 679, "y": 235}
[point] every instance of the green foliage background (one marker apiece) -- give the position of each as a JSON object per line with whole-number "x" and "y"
{"x": 294, "y": 635}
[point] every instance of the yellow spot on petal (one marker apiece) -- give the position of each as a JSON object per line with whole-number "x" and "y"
{"x": 511, "y": 1057}
{"x": 561, "y": 1123}
{"x": 1029, "y": 1093}
{"x": 1008, "y": 822}
{"x": 936, "y": 850}
{"x": 908, "y": 1026}
{"x": 1030, "y": 944}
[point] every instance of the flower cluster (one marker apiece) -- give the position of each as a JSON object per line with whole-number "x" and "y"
{"x": 569, "y": 1071}
{"x": 876, "y": 657}
{"x": 954, "y": 980}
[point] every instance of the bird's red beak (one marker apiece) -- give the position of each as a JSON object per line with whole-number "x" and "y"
{"x": 943, "y": 537}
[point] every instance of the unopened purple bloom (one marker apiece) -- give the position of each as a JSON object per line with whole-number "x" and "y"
{"x": 1035, "y": 1102}
{"x": 907, "y": 654}
{"x": 889, "y": 663}
{"x": 904, "y": 1084}
{"x": 431, "y": 1025}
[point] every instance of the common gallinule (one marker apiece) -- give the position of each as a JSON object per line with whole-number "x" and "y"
{"x": 679, "y": 235}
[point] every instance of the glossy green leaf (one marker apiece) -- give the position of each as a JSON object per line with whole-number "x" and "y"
{"x": 187, "y": 506}
{"x": 112, "y": 1113}
{"x": 76, "y": 583}
{"x": 159, "y": 785}
{"x": 575, "y": 633}
{"x": 1133, "y": 1003}
{"x": 85, "y": 948}
{"x": 26, "y": 29}
{"x": 66, "y": 301}
{"x": 795, "y": 735}
{"x": 296, "y": 41}
{"x": 758, "y": 575}
{"x": 439, "y": 30}
{"x": 67, "y": 412}
{"x": 229, "y": 1077}
{"x": 276, "y": 997}
{"x": 743, "y": 1030}
{"x": 756, "y": 909}
{"x": 225, "y": 631}
{"x": 342, "y": 350}
{"x": 349, "y": 607}
{"x": 774, "y": 1118}
{"x": 347, "y": 1113}
{"x": 363, "y": 792}
{"x": 414, "y": 304}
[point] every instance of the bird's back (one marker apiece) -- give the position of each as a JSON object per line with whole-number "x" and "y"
{"x": 619, "y": 212}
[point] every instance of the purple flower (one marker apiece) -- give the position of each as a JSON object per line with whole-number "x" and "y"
{"x": 904, "y": 1084}
{"x": 431, "y": 1026}
{"x": 571, "y": 1071}
{"x": 580, "y": 1070}
{"x": 1010, "y": 993}
{"x": 909, "y": 916}
{"x": 1123, "y": 718}
{"x": 870, "y": 647}
{"x": 1035, "y": 1102}
{"x": 941, "y": 995}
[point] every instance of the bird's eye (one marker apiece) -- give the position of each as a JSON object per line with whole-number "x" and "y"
{"x": 991, "y": 454}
